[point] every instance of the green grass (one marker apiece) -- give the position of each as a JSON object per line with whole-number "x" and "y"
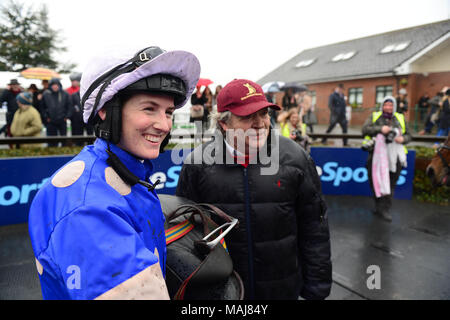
{"x": 34, "y": 152}
{"x": 424, "y": 191}
{"x": 423, "y": 152}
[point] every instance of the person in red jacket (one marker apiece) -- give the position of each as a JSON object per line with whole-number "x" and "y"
{"x": 75, "y": 78}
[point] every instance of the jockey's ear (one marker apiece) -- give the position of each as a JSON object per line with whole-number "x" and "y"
{"x": 102, "y": 114}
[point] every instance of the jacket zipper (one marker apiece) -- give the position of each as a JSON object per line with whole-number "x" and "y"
{"x": 249, "y": 236}
{"x": 323, "y": 211}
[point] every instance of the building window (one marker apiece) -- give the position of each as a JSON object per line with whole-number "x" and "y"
{"x": 305, "y": 63}
{"x": 355, "y": 97}
{"x": 313, "y": 97}
{"x": 394, "y": 47}
{"x": 343, "y": 56}
{"x": 382, "y": 92}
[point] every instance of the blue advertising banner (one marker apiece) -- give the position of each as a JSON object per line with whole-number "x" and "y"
{"x": 19, "y": 182}
{"x": 167, "y": 171}
{"x": 341, "y": 170}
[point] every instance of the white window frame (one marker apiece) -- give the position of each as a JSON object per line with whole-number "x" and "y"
{"x": 402, "y": 46}
{"x": 356, "y": 96}
{"x": 305, "y": 63}
{"x": 396, "y": 47}
{"x": 343, "y": 56}
{"x": 385, "y": 90}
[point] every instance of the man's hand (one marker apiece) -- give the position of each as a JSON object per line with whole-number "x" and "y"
{"x": 385, "y": 129}
{"x": 399, "y": 139}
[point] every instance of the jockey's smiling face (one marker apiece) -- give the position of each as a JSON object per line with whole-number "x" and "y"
{"x": 146, "y": 121}
{"x": 388, "y": 107}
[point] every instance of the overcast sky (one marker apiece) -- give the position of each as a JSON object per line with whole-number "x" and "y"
{"x": 231, "y": 38}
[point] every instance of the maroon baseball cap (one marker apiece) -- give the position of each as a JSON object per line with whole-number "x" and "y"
{"x": 242, "y": 98}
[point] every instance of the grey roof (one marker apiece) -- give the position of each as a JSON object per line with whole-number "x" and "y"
{"x": 367, "y": 61}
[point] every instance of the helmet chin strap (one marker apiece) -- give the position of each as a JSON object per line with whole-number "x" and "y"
{"x": 126, "y": 175}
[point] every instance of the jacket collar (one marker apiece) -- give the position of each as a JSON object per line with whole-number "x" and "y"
{"x": 140, "y": 168}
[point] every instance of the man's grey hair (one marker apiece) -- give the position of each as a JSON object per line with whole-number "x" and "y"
{"x": 216, "y": 116}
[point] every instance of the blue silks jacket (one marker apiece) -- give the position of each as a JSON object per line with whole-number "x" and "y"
{"x": 90, "y": 231}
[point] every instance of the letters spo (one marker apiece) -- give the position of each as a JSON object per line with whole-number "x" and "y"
{"x": 10, "y": 194}
{"x": 332, "y": 172}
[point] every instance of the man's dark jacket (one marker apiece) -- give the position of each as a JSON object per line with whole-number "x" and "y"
{"x": 56, "y": 105}
{"x": 336, "y": 103}
{"x": 9, "y": 97}
{"x": 444, "y": 117}
{"x": 281, "y": 247}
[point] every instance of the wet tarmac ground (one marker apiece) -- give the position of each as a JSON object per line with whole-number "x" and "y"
{"x": 412, "y": 253}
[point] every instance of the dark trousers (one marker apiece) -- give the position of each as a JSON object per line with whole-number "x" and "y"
{"x": 4, "y": 129}
{"x": 423, "y": 114}
{"x": 78, "y": 127}
{"x": 334, "y": 120}
{"x": 428, "y": 124}
{"x": 384, "y": 203}
{"x": 55, "y": 127}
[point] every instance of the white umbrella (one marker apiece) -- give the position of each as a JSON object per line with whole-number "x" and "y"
{"x": 273, "y": 86}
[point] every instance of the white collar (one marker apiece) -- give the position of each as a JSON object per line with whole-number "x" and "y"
{"x": 232, "y": 150}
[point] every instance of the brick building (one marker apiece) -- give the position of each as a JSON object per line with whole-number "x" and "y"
{"x": 417, "y": 59}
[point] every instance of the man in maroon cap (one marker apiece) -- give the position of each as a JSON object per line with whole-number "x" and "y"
{"x": 281, "y": 247}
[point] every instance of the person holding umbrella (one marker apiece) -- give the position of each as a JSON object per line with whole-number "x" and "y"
{"x": 43, "y": 74}
{"x": 200, "y": 100}
{"x": 198, "y": 112}
{"x": 289, "y": 100}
